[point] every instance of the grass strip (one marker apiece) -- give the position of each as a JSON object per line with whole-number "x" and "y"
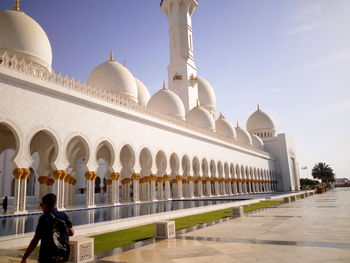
{"x": 264, "y": 204}
{"x": 108, "y": 241}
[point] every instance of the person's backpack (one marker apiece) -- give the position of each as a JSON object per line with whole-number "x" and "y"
{"x": 58, "y": 246}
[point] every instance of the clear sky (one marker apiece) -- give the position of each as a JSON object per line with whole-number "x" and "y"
{"x": 292, "y": 57}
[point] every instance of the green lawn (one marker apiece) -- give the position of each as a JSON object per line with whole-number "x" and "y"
{"x": 125, "y": 237}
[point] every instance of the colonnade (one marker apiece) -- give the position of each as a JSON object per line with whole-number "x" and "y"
{"x": 129, "y": 175}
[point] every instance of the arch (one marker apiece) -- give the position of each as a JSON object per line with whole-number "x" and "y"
{"x": 77, "y": 144}
{"x": 77, "y": 154}
{"x": 105, "y": 157}
{"x": 196, "y": 167}
{"x": 254, "y": 172}
{"x": 9, "y": 147}
{"x": 232, "y": 170}
{"x": 205, "y": 167}
{"x": 104, "y": 149}
{"x": 238, "y": 171}
{"x": 212, "y": 168}
{"x": 161, "y": 163}
{"x": 226, "y": 170}
{"x": 186, "y": 165}
{"x": 146, "y": 161}
{"x": 127, "y": 159}
{"x": 251, "y": 175}
{"x": 246, "y": 172}
{"x": 174, "y": 164}
{"x": 242, "y": 172}
{"x": 46, "y": 144}
{"x": 9, "y": 137}
{"x": 220, "y": 169}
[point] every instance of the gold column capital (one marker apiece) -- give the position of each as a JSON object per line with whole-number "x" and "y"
{"x": 17, "y": 173}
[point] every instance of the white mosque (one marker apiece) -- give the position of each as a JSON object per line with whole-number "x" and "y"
{"x": 107, "y": 141}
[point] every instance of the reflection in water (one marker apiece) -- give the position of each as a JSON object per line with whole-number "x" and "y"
{"x": 27, "y": 224}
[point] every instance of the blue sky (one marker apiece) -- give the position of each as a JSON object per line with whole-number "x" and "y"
{"x": 292, "y": 57}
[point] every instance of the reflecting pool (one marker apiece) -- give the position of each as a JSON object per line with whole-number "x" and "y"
{"x": 11, "y": 225}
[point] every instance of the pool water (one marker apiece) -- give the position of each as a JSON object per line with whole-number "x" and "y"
{"x": 12, "y": 225}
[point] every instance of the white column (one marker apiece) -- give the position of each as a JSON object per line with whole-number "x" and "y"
{"x": 167, "y": 187}
{"x": 136, "y": 187}
{"x": 217, "y": 187}
{"x": 191, "y": 186}
{"x": 17, "y": 173}
{"x": 179, "y": 192}
{"x": 199, "y": 187}
{"x": 160, "y": 184}
{"x": 208, "y": 186}
{"x": 153, "y": 190}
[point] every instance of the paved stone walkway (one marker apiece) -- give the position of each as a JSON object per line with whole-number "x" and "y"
{"x": 314, "y": 229}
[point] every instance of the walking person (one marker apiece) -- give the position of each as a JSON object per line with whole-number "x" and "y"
{"x": 4, "y": 204}
{"x": 53, "y": 229}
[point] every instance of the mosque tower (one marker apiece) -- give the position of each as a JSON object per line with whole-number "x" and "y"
{"x": 182, "y": 71}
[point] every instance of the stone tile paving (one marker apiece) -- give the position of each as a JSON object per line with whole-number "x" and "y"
{"x": 315, "y": 229}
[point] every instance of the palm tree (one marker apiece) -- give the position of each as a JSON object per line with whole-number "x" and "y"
{"x": 323, "y": 172}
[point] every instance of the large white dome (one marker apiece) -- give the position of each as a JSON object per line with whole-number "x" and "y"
{"x": 206, "y": 95}
{"x": 201, "y": 118}
{"x": 167, "y": 102}
{"x": 260, "y": 120}
{"x": 22, "y": 36}
{"x": 113, "y": 76}
{"x": 243, "y": 136}
{"x": 224, "y": 128}
{"x": 143, "y": 93}
{"x": 257, "y": 142}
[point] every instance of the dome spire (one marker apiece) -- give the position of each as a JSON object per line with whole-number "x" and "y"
{"x": 258, "y": 107}
{"x": 16, "y": 7}
{"x": 111, "y": 55}
{"x": 198, "y": 103}
{"x": 163, "y": 86}
{"x": 221, "y": 116}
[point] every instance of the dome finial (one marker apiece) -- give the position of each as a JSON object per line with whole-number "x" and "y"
{"x": 111, "y": 55}
{"x": 258, "y": 107}
{"x": 198, "y": 103}
{"x": 237, "y": 124}
{"x": 221, "y": 117}
{"x": 164, "y": 87}
{"x": 16, "y": 7}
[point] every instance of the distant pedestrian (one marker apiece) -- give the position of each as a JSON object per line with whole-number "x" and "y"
{"x": 4, "y": 204}
{"x": 53, "y": 229}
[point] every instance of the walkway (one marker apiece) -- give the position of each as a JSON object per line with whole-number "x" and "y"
{"x": 315, "y": 229}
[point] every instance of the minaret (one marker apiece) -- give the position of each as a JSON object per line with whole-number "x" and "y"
{"x": 182, "y": 71}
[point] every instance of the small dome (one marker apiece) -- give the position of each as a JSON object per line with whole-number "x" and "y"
{"x": 143, "y": 93}
{"x": 22, "y": 36}
{"x": 112, "y": 76}
{"x": 206, "y": 95}
{"x": 201, "y": 118}
{"x": 224, "y": 128}
{"x": 167, "y": 102}
{"x": 257, "y": 142}
{"x": 260, "y": 121}
{"x": 243, "y": 136}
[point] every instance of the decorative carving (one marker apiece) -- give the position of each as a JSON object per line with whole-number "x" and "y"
{"x": 57, "y": 174}
{"x": 115, "y": 176}
{"x": 177, "y": 76}
{"x": 17, "y": 173}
